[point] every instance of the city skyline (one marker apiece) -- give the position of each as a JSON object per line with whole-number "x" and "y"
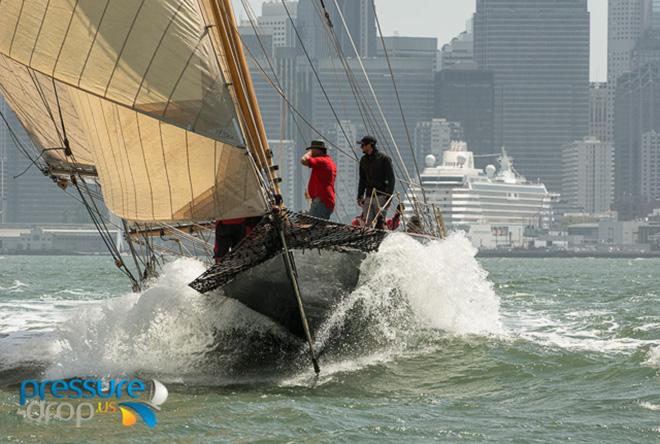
{"x": 453, "y": 15}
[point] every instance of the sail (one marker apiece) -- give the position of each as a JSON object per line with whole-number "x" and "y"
{"x": 145, "y": 96}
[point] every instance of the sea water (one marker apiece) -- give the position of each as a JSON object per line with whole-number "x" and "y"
{"x": 433, "y": 345}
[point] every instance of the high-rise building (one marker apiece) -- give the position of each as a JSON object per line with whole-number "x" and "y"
{"x": 467, "y": 96}
{"x": 460, "y": 51}
{"x": 650, "y": 165}
{"x": 598, "y": 111}
{"x": 275, "y": 21}
{"x": 588, "y": 175}
{"x": 435, "y": 136}
{"x": 538, "y": 51}
{"x": 627, "y": 21}
{"x": 637, "y": 111}
{"x": 360, "y": 21}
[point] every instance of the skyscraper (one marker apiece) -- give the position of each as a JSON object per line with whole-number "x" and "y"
{"x": 538, "y": 51}
{"x": 360, "y": 21}
{"x": 627, "y": 21}
{"x": 275, "y": 21}
{"x": 637, "y": 111}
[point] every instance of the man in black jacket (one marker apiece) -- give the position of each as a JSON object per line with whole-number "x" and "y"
{"x": 376, "y": 182}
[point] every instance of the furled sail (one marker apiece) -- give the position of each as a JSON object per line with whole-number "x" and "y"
{"x": 144, "y": 92}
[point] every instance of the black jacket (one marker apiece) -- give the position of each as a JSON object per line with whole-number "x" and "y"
{"x": 376, "y": 172}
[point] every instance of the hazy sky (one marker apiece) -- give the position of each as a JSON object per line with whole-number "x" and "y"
{"x": 446, "y": 18}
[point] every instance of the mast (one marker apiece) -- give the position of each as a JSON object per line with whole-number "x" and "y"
{"x": 246, "y": 98}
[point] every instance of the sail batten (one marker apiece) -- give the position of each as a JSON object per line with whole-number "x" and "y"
{"x": 144, "y": 98}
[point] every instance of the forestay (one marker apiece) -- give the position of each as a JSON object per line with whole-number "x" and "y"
{"x": 144, "y": 96}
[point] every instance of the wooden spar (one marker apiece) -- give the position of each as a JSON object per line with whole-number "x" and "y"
{"x": 293, "y": 277}
{"x": 241, "y": 81}
{"x": 252, "y": 122}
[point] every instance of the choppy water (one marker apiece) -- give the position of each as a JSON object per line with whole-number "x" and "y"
{"x": 433, "y": 346}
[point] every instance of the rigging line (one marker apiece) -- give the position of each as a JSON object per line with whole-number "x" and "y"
{"x": 327, "y": 23}
{"x": 398, "y": 99}
{"x": 314, "y": 70}
{"x": 295, "y": 110}
{"x": 42, "y": 96}
{"x": 250, "y": 12}
{"x": 280, "y": 88}
{"x": 361, "y": 100}
{"x": 34, "y": 163}
{"x": 363, "y": 106}
{"x": 105, "y": 236}
{"x": 366, "y": 76}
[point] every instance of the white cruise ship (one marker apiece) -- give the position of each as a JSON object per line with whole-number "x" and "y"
{"x": 496, "y": 200}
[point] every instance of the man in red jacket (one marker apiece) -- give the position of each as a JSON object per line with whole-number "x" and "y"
{"x": 321, "y": 187}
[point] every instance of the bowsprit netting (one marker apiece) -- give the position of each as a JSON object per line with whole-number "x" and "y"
{"x": 302, "y": 232}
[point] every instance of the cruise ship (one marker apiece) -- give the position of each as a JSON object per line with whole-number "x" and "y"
{"x": 496, "y": 205}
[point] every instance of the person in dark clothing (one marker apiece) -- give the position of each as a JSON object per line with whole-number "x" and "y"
{"x": 377, "y": 182}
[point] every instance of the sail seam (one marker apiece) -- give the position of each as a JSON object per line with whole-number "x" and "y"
{"x": 167, "y": 175}
{"x": 123, "y": 47}
{"x": 192, "y": 192}
{"x": 146, "y": 168}
{"x": 66, "y": 33}
{"x": 181, "y": 74}
{"x": 128, "y": 161}
{"x": 156, "y": 49}
{"x": 36, "y": 40}
{"x": 18, "y": 20}
{"x": 91, "y": 47}
{"x": 122, "y": 181}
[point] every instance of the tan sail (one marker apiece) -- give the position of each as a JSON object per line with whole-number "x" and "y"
{"x": 144, "y": 91}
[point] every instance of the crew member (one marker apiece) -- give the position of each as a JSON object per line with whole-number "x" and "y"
{"x": 321, "y": 188}
{"x": 376, "y": 182}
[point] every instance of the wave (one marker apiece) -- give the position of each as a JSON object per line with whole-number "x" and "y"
{"x": 172, "y": 331}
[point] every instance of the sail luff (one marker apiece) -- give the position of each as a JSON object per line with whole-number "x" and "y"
{"x": 246, "y": 98}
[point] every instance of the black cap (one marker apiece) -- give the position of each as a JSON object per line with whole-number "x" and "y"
{"x": 367, "y": 140}
{"x": 317, "y": 144}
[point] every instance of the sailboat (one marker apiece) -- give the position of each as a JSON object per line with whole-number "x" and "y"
{"x": 152, "y": 102}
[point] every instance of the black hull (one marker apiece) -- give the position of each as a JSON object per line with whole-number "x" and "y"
{"x": 325, "y": 278}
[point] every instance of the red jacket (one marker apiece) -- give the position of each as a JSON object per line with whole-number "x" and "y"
{"x": 322, "y": 181}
